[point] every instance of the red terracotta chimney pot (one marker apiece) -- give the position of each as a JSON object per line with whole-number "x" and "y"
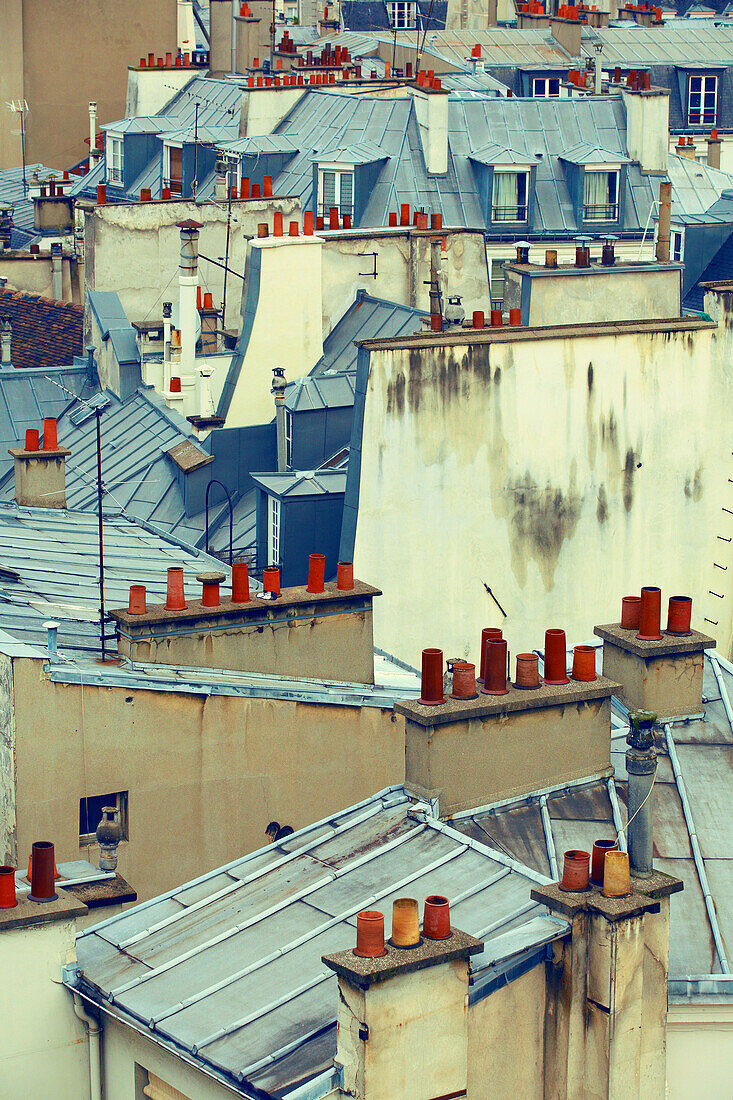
{"x": 679, "y": 615}
{"x": 651, "y": 613}
{"x": 31, "y": 439}
{"x": 175, "y": 599}
{"x": 316, "y": 572}
{"x": 8, "y": 900}
{"x": 631, "y": 612}
{"x": 576, "y": 870}
{"x": 495, "y": 677}
{"x": 555, "y": 657}
{"x": 345, "y": 576}
{"x": 240, "y": 582}
{"x": 436, "y": 918}
{"x": 136, "y": 603}
{"x": 50, "y": 437}
{"x": 370, "y": 935}
{"x": 42, "y": 872}
{"x": 271, "y": 580}
{"x": 431, "y": 693}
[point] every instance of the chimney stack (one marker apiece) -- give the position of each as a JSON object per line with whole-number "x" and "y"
{"x": 714, "y": 144}
{"x": 6, "y": 337}
{"x": 92, "y": 129}
{"x": 40, "y": 472}
{"x": 57, "y": 282}
{"x": 279, "y": 385}
{"x": 6, "y": 225}
{"x": 404, "y": 1003}
{"x": 647, "y": 127}
{"x": 188, "y": 317}
{"x": 659, "y": 672}
{"x": 665, "y": 217}
{"x": 641, "y": 766}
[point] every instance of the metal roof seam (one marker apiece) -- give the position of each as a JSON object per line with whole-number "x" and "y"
{"x": 696, "y": 852}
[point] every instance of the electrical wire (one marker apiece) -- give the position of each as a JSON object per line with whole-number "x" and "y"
{"x": 625, "y": 827}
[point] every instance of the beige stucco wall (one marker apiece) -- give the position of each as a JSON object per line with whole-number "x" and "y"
{"x": 134, "y": 250}
{"x": 336, "y": 644}
{"x": 403, "y": 265}
{"x": 506, "y": 1041}
{"x": 699, "y": 1051}
{"x": 563, "y": 473}
{"x": 59, "y": 59}
{"x": 126, "y": 1055}
{"x": 33, "y": 274}
{"x": 204, "y": 775}
{"x": 149, "y": 90}
{"x": 607, "y": 294}
{"x": 43, "y": 1046}
{"x": 472, "y": 763}
{"x": 668, "y": 686}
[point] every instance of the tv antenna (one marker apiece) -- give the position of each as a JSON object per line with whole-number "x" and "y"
{"x": 20, "y": 107}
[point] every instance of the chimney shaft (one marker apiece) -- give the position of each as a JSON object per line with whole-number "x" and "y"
{"x": 167, "y": 312}
{"x": 278, "y": 390}
{"x": 92, "y": 127}
{"x": 188, "y": 281}
{"x": 6, "y": 336}
{"x": 641, "y": 766}
{"x": 40, "y": 475}
{"x": 665, "y": 214}
{"x": 57, "y": 282}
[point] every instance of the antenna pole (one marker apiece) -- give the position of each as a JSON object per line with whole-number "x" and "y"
{"x": 22, "y": 147}
{"x": 226, "y": 259}
{"x": 195, "y": 149}
{"x": 101, "y": 533}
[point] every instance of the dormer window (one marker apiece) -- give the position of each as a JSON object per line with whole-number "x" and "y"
{"x": 403, "y": 14}
{"x": 702, "y": 101}
{"x": 509, "y": 196}
{"x": 114, "y": 159}
{"x": 173, "y": 168}
{"x": 335, "y": 188}
{"x": 600, "y": 196}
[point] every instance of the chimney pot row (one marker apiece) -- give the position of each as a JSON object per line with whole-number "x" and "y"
{"x": 370, "y": 941}
{"x": 643, "y": 614}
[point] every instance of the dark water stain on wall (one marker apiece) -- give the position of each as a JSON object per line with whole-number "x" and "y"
{"x": 602, "y": 508}
{"x": 590, "y": 378}
{"x": 396, "y": 394}
{"x": 629, "y": 470}
{"x": 693, "y": 485}
{"x": 541, "y": 520}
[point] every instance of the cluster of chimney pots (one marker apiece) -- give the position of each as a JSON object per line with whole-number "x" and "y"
{"x": 406, "y": 934}
{"x": 50, "y": 437}
{"x": 211, "y": 581}
{"x": 641, "y": 616}
{"x": 42, "y": 875}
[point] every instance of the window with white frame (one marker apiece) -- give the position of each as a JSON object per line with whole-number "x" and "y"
{"x": 403, "y": 14}
{"x": 702, "y": 100}
{"x": 173, "y": 168}
{"x": 335, "y": 188}
{"x": 677, "y": 245}
{"x": 600, "y": 195}
{"x": 273, "y": 531}
{"x": 546, "y": 87}
{"x": 497, "y": 283}
{"x": 114, "y": 159}
{"x": 509, "y": 196}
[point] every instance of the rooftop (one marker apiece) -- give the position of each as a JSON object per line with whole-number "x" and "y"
{"x": 228, "y": 968}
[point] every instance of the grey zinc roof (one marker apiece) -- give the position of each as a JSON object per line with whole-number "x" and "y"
{"x": 303, "y": 483}
{"x": 365, "y": 319}
{"x": 12, "y": 191}
{"x": 695, "y": 768}
{"x": 139, "y": 479}
{"x": 585, "y": 153}
{"x": 50, "y": 570}
{"x": 228, "y": 968}
{"x": 30, "y": 395}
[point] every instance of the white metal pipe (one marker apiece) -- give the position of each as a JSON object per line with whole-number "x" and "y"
{"x": 549, "y": 838}
{"x": 92, "y": 127}
{"x": 94, "y": 1031}
{"x": 618, "y": 822}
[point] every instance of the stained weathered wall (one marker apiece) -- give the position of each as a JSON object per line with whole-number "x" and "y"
{"x": 32, "y": 273}
{"x": 43, "y": 1047}
{"x": 60, "y": 59}
{"x": 506, "y": 1041}
{"x": 127, "y": 1057}
{"x": 700, "y": 1051}
{"x": 133, "y": 249}
{"x": 560, "y": 470}
{"x": 8, "y": 852}
{"x": 204, "y": 775}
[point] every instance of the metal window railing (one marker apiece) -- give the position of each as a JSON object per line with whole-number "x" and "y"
{"x": 509, "y": 213}
{"x": 601, "y": 212}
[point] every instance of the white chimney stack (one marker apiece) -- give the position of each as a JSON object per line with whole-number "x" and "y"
{"x": 188, "y": 316}
{"x": 167, "y": 312}
{"x": 92, "y": 127}
{"x": 6, "y": 335}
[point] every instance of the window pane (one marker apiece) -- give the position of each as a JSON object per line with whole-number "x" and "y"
{"x": 554, "y": 87}
{"x": 329, "y": 189}
{"x": 347, "y": 192}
